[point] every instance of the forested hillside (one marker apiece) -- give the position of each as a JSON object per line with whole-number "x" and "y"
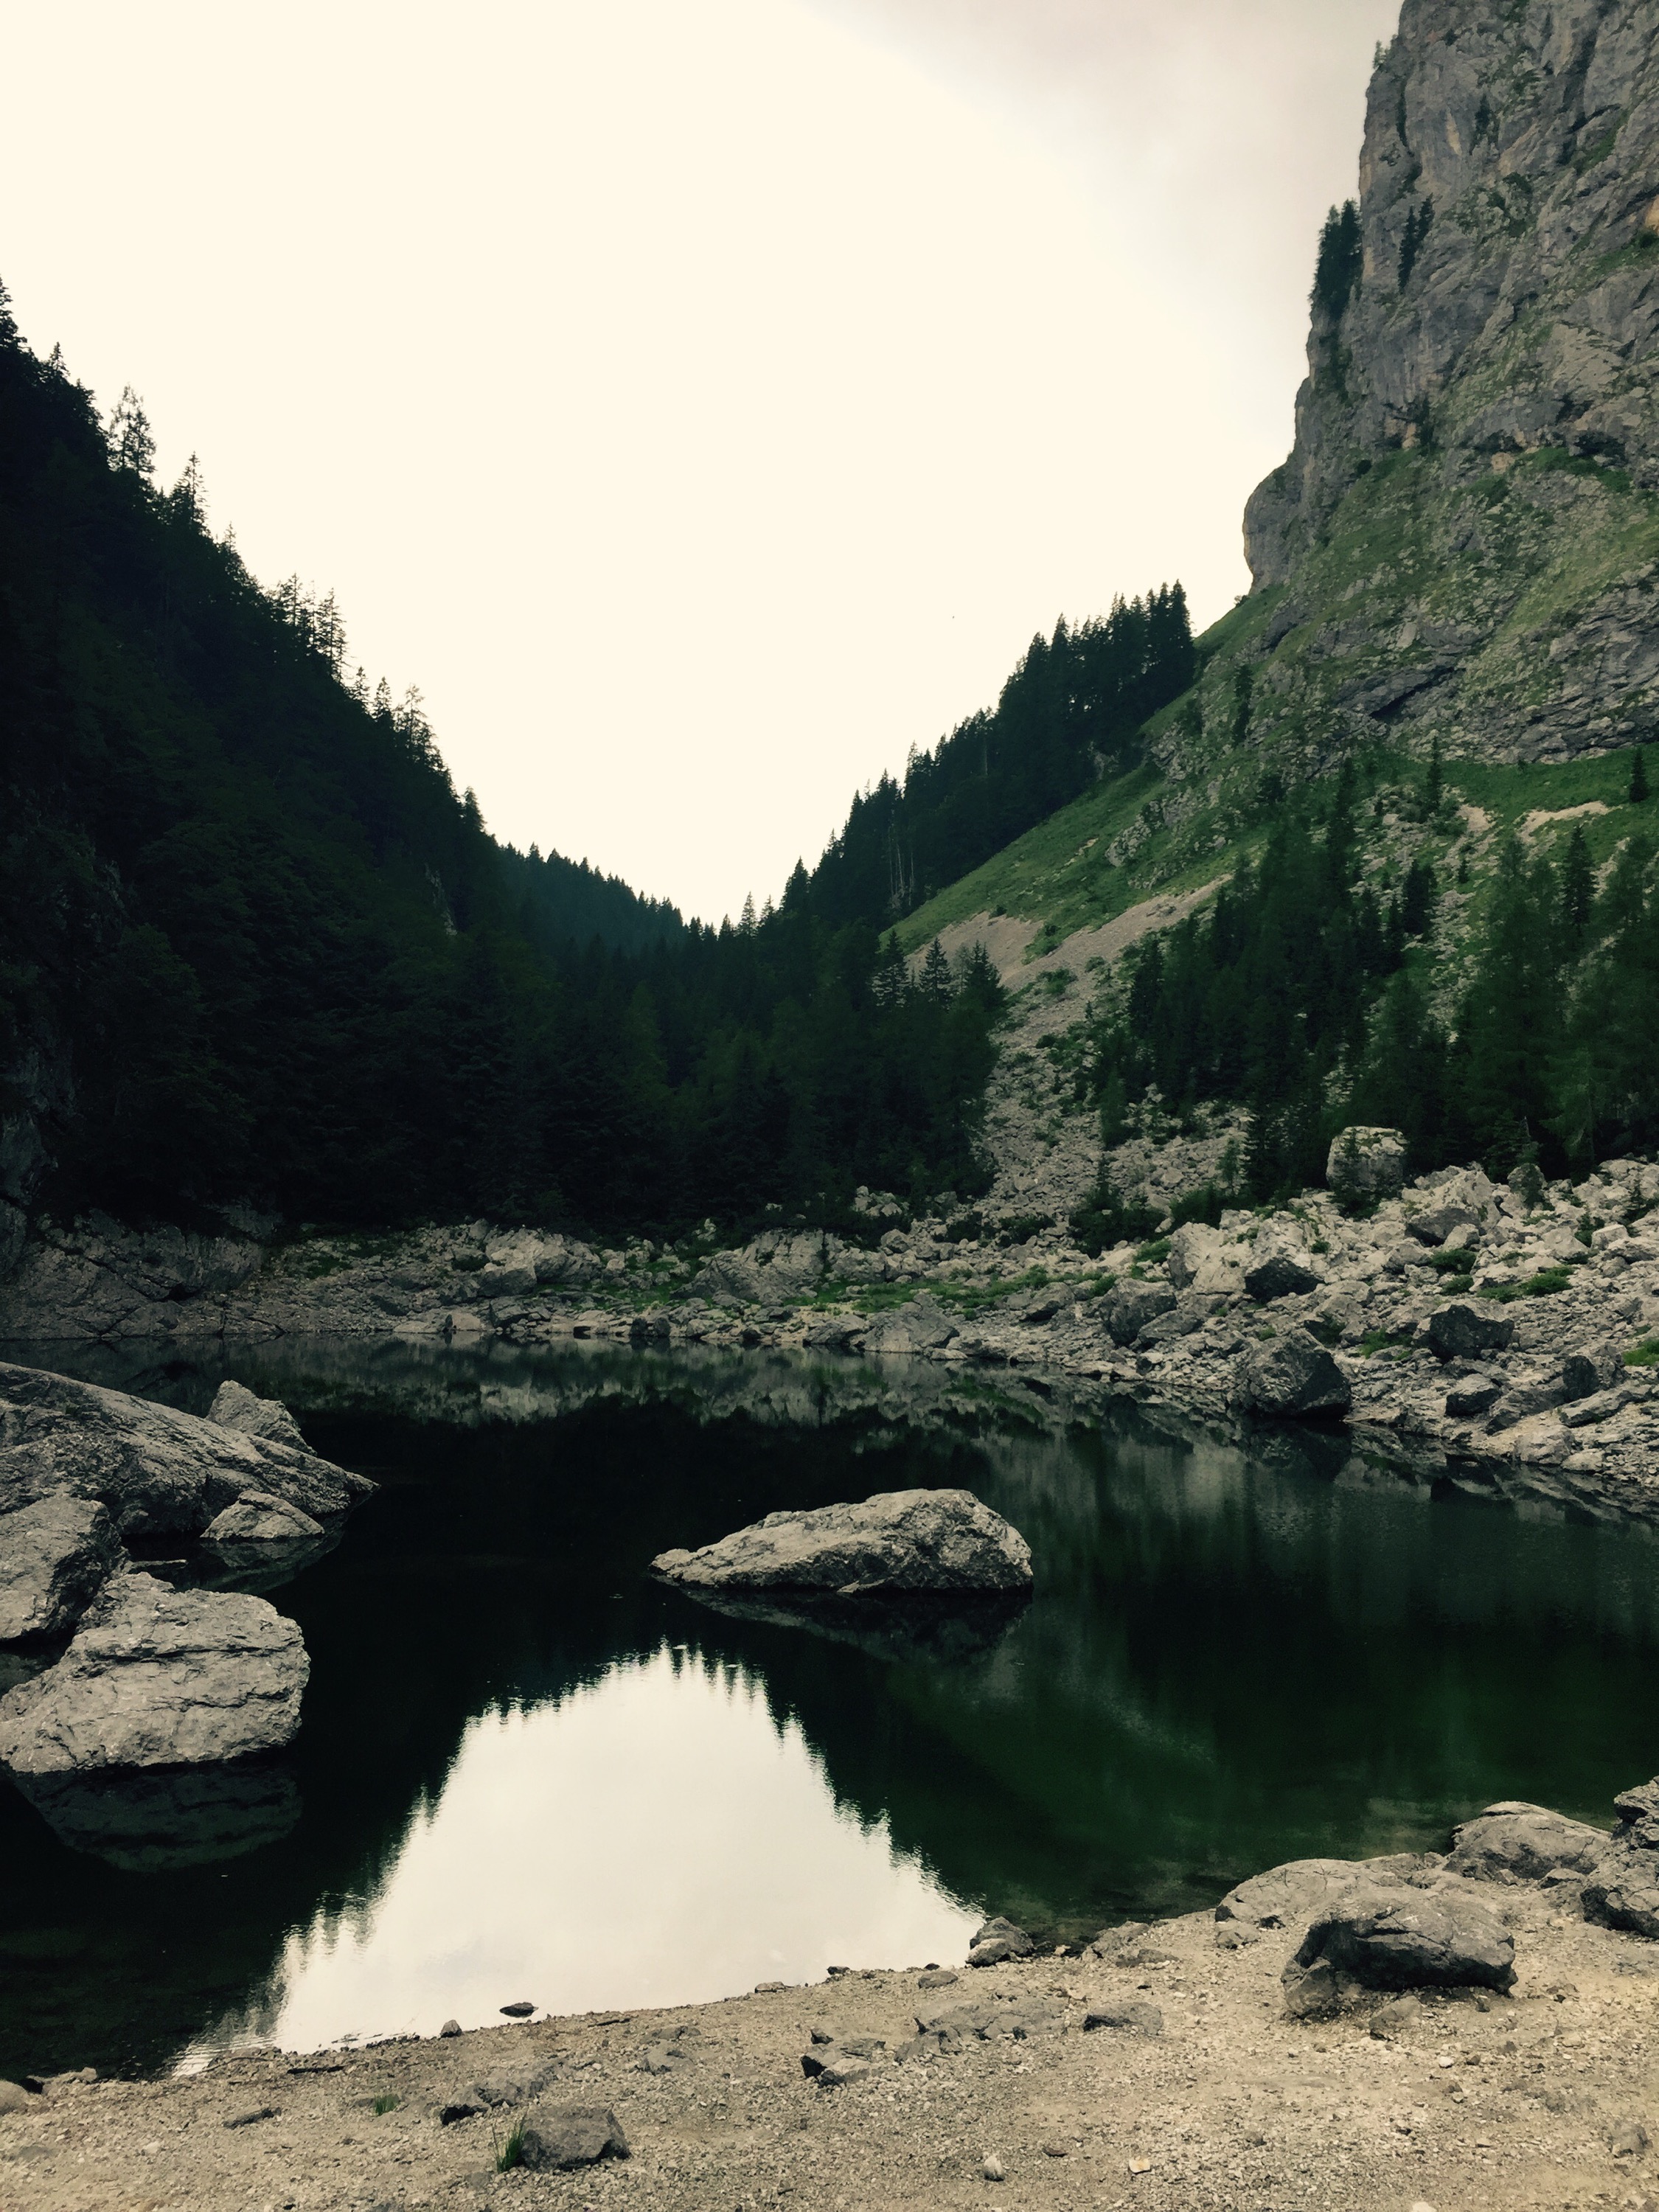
{"x": 1072, "y": 711}
{"x": 254, "y": 948}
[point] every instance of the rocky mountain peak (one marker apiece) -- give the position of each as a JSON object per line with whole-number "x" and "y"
{"x": 1489, "y": 305}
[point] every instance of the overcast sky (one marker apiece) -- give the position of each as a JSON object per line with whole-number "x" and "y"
{"x": 702, "y": 404}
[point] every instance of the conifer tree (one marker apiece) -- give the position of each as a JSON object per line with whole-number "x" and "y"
{"x": 131, "y": 446}
{"x": 1639, "y": 777}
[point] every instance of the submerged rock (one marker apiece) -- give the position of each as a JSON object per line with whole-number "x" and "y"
{"x": 926, "y": 1541}
{"x": 55, "y": 1556}
{"x": 905, "y": 1628}
{"x": 153, "y": 1821}
{"x": 158, "y": 1677}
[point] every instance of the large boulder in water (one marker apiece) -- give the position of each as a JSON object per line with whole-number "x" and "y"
{"x": 55, "y": 1557}
{"x": 926, "y": 1541}
{"x": 155, "y": 1468}
{"x": 159, "y": 1677}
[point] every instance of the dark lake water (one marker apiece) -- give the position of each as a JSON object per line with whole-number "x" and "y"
{"x": 526, "y": 1772}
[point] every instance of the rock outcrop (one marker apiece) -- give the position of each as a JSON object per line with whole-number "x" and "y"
{"x": 914, "y": 1542}
{"x": 155, "y": 1468}
{"x": 55, "y": 1556}
{"x": 1480, "y": 392}
{"x": 159, "y": 1677}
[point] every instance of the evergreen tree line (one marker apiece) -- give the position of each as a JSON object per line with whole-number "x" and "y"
{"x": 255, "y": 947}
{"x": 1301, "y": 997}
{"x": 1072, "y": 710}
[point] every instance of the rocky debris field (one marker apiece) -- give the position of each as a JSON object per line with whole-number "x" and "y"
{"x": 1470, "y": 2040}
{"x": 1508, "y": 1334}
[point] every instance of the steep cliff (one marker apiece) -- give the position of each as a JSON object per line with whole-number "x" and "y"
{"x": 1465, "y": 539}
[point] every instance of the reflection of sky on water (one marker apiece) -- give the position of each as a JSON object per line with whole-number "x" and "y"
{"x": 652, "y": 1839}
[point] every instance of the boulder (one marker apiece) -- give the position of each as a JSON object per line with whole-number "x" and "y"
{"x": 157, "y": 1470}
{"x": 1393, "y": 1939}
{"x": 159, "y": 1677}
{"x": 923, "y": 1325}
{"x": 1587, "y": 1373}
{"x": 1623, "y": 1892}
{"x": 1303, "y": 1887}
{"x": 1464, "y": 1332}
{"x": 512, "y": 2081}
{"x": 1202, "y": 1259}
{"x": 1514, "y": 1842}
{"x": 1475, "y": 1394}
{"x": 1134, "y": 1306}
{"x": 928, "y": 1541}
{"x": 1437, "y": 1224}
{"x": 997, "y": 1940}
{"x": 236, "y": 1407}
{"x": 567, "y": 2135}
{"x": 55, "y": 1556}
{"x": 1364, "y": 1165}
{"x": 1291, "y": 1377}
{"x": 1277, "y": 1271}
{"x": 257, "y": 1517}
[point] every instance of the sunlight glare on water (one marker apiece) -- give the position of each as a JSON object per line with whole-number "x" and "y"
{"x": 652, "y": 1839}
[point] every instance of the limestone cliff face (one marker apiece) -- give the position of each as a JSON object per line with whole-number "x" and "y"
{"x": 1465, "y": 527}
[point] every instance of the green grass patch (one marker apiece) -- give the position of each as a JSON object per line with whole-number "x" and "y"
{"x": 1545, "y": 1284}
{"x": 1645, "y": 1354}
{"x": 388, "y": 2102}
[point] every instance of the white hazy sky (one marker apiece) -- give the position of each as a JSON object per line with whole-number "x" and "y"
{"x": 703, "y": 404}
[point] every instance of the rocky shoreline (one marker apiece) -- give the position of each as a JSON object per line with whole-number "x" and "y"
{"x": 1458, "y": 2030}
{"x": 1506, "y": 1332}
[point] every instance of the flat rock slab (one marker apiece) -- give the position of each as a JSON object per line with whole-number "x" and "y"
{"x": 257, "y": 1517}
{"x": 1391, "y": 1939}
{"x": 925, "y": 1540}
{"x": 55, "y": 1556}
{"x": 1302, "y": 1888}
{"x": 155, "y": 1468}
{"x": 159, "y": 1677}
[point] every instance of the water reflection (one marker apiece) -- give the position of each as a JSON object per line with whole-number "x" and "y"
{"x": 652, "y": 1839}
{"x": 511, "y": 1786}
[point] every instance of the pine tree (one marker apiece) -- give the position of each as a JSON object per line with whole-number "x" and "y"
{"x": 8, "y": 337}
{"x": 188, "y": 498}
{"x": 1639, "y": 777}
{"x": 934, "y": 981}
{"x": 1577, "y": 892}
{"x": 131, "y": 445}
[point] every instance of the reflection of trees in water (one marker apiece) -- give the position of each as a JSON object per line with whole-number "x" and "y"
{"x": 1233, "y": 1656}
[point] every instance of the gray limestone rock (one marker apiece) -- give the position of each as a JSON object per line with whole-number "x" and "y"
{"x": 997, "y": 1940}
{"x": 55, "y": 1556}
{"x": 235, "y": 1406}
{"x": 257, "y": 1517}
{"x": 1513, "y": 1842}
{"x": 1302, "y": 1888}
{"x": 567, "y": 2135}
{"x": 1366, "y": 1164}
{"x": 1135, "y": 1304}
{"x": 1474, "y": 1394}
{"x": 922, "y": 1325}
{"x": 155, "y": 1468}
{"x": 1278, "y": 1273}
{"x": 1393, "y": 1939}
{"x": 1436, "y": 1224}
{"x": 158, "y": 1677}
{"x": 1465, "y": 1331}
{"x": 925, "y": 1540}
{"x": 1291, "y": 1377}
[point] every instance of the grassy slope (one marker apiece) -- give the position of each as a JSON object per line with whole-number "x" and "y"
{"x": 1542, "y": 540}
